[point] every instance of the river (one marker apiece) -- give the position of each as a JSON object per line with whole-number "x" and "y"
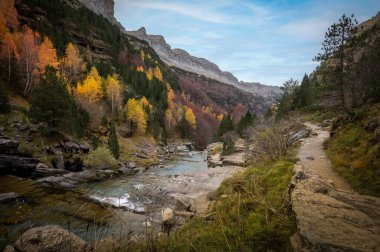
{"x": 129, "y": 201}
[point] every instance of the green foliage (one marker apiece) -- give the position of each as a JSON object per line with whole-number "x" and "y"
{"x": 355, "y": 151}
{"x": 52, "y": 103}
{"x": 4, "y": 101}
{"x": 245, "y": 121}
{"x": 185, "y": 129}
{"x": 225, "y": 126}
{"x": 113, "y": 144}
{"x": 101, "y": 158}
{"x": 288, "y": 98}
{"x": 305, "y": 95}
{"x": 250, "y": 217}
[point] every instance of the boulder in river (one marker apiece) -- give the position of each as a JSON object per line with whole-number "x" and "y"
{"x": 185, "y": 204}
{"x": 50, "y": 238}
{"x": 8, "y": 145}
{"x": 71, "y": 147}
{"x": 58, "y": 161}
{"x": 8, "y": 196}
{"x": 74, "y": 164}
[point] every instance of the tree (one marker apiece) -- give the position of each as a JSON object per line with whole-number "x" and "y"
{"x": 113, "y": 143}
{"x": 113, "y": 92}
{"x": 190, "y": 118}
{"x": 8, "y": 52}
{"x": 339, "y": 41}
{"x": 226, "y": 125}
{"x": 136, "y": 116}
{"x": 305, "y": 92}
{"x": 158, "y": 74}
{"x": 244, "y": 122}
{"x": 47, "y": 55}
{"x": 29, "y": 46}
{"x": 91, "y": 88}
{"x": 72, "y": 62}
{"x": 51, "y": 102}
{"x": 289, "y": 97}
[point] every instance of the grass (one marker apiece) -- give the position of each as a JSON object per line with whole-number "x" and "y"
{"x": 355, "y": 151}
{"x": 318, "y": 115}
{"x": 250, "y": 214}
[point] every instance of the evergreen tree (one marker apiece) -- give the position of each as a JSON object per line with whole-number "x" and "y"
{"x": 225, "y": 126}
{"x": 244, "y": 122}
{"x": 305, "y": 92}
{"x": 184, "y": 128}
{"x": 339, "y": 42}
{"x": 51, "y": 102}
{"x": 113, "y": 143}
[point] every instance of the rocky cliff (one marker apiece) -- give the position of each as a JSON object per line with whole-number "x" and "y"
{"x": 103, "y": 7}
{"x": 183, "y": 60}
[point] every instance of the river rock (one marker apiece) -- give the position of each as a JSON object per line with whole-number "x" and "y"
{"x": 185, "y": 204}
{"x": 17, "y": 165}
{"x": 84, "y": 147}
{"x": 235, "y": 159}
{"x": 43, "y": 170}
{"x": 332, "y": 220}
{"x": 74, "y": 164}
{"x": 71, "y": 147}
{"x": 58, "y": 161}
{"x": 190, "y": 146}
{"x": 8, "y": 145}
{"x": 4, "y": 197}
{"x": 50, "y": 238}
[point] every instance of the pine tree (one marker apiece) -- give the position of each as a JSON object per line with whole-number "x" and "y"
{"x": 113, "y": 143}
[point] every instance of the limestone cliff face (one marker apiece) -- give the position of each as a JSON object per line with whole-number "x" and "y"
{"x": 183, "y": 60}
{"x": 103, "y": 7}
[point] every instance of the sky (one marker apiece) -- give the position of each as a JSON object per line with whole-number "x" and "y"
{"x": 258, "y": 41}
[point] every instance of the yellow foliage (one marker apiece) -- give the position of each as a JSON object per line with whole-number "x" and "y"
{"x": 136, "y": 114}
{"x": 220, "y": 117}
{"x": 140, "y": 69}
{"x": 73, "y": 62}
{"x": 190, "y": 117}
{"x": 338, "y": 160}
{"x": 142, "y": 55}
{"x": 149, "y": 74}
{"x": 91, "y": 88}
{"x": 158, "y": 74}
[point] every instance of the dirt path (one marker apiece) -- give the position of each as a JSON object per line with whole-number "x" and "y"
{"x": 314, "y": 160}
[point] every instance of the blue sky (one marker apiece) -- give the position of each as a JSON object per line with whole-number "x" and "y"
{"x": 263, "y": 41}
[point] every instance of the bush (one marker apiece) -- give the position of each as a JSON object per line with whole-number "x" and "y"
{"x": 101, "y": 158}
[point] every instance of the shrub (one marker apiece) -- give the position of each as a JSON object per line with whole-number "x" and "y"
{"x": 101, "y": 158}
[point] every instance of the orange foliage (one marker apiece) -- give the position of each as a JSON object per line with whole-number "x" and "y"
{"x": 73, "y": 62}
{"x": 140, "y": 69}
{"x": 149, "y": 74}
{"x": 9, "y": 14}
{"x": 47, "y": 55}
{"x": 28, "y": 51}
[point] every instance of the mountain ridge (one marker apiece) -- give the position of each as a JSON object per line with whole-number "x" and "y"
{"x": 181, "y": 58}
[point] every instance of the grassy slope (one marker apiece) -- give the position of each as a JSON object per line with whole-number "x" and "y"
{"x": 355, "y": 151}
{"x": 250, "y": 214}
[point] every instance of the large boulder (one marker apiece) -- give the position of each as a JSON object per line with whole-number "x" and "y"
{"x": 71, "y": 147}
{"x": 185, "y": 204}
{"x": 332, "y": 220}
{"x": 4, "y": 197}
{"x": 50, "y": 238}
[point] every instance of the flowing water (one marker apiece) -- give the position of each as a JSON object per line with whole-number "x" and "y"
{"x": 129, "y": 201}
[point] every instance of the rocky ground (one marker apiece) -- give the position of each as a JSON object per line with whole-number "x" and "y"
{"x": 330, "y": 216}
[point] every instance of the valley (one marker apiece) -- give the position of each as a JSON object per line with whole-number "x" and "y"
{"x": 112, "y": 140}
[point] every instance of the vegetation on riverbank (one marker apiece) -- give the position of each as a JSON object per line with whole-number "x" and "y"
{"x": 355, "y": 150}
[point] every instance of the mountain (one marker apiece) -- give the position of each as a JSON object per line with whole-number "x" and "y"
{"x": 181, "y": 59}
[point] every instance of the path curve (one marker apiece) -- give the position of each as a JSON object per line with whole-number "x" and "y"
{"x": 314, "y": 160}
